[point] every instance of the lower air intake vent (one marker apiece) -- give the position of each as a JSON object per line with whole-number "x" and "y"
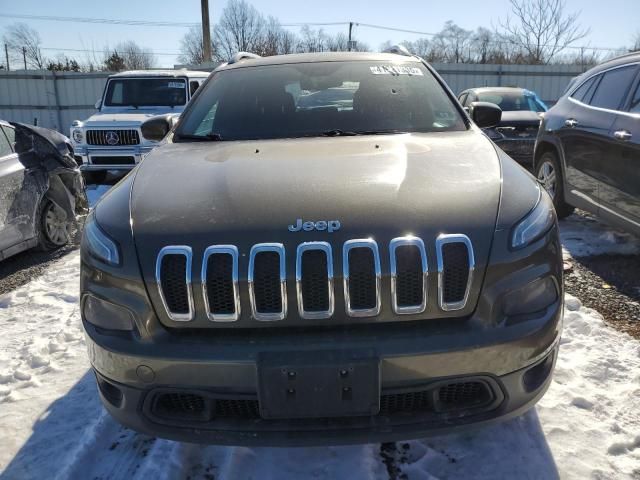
{"x": 173, "y": 272}
{"x": 462, "y": 395}
{"x": 406, "y": 402}
{"x": 186, "y": 406}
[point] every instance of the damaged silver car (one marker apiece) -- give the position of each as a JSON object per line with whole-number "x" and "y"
{"x": 41, "y": 189}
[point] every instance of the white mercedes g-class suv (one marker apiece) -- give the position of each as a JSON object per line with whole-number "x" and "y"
{"x": 111, "y": 139}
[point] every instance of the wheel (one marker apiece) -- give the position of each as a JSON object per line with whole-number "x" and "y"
{"x": 54, "y": 226}
{"x": 95, "y": 177}
{"x": 549, "y": 174}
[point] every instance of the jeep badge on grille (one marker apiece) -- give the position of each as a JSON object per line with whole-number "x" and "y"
{"x": 328, "y": 225}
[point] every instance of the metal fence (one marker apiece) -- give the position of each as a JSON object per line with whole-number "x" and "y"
{"x": 55, "y": 99}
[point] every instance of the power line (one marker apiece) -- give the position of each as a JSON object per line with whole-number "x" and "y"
{"x": 86, "y": 50}
{"x": 149, "y": 23}
{"x": 108, "y": 21}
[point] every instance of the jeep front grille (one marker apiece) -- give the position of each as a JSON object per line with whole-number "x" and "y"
{"x": 220, "y": 283}
{"x": 455, "y": 270}
{"x": 116, "y": 138}
{"x": 314, "y": 262}
{"x": 314, "y": 280}
{"x": 173, "y": 275}
{"x": 267, "y": 282}
{"x": 361, "y": 274}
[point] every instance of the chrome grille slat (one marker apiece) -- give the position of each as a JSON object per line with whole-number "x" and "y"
{"x": 263, "y": 248}
{"x": 348, "y": 247}
{"x": 447, "y": 274}
{"x": 303, "y": 281}
{"x": 176, "y": 250}
{"x": 421, "y": 283}
{"x": 216, "y": 315}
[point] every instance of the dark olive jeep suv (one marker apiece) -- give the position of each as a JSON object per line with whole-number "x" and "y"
{"x": 325, "y": 249}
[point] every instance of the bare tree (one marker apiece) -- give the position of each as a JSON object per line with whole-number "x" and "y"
{"x": 191, "y": 47}
{"x": 636, "y": 42}
{"x": 456, "y": 41}
{"x": 24, "y": 42}
{"x": 312, "y": 40}
{"x": 128, "y": 55}
{"x": 241, "y": 29}
{"x": 541, "y": 28}
{"x": 134, "y": 57}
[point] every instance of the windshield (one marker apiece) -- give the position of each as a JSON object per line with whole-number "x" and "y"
{"x": 146, "y": 92}
{"x": 514, "y": 101}
{"x": 313, "y": 99}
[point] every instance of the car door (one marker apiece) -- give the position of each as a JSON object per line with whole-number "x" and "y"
{"x": 585, "y": 134}
{"x": 11, "y": 180}
{"x": 620, "y": 184}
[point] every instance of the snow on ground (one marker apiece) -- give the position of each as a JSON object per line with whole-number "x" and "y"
{"x": 582, "y": 235}
{"x": 51, "y": 422}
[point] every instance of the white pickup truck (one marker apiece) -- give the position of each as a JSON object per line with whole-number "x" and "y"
{"x": 111, "y": 139}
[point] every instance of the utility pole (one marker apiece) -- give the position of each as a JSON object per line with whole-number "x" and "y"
{"x": 6, "y": 55}
{"x": 24, "y": 56}
{"x": 349, "y": 42}
{"x": 206, "y": 30}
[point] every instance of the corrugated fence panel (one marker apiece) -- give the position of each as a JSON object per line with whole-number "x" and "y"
{"x": 27, "y": 96}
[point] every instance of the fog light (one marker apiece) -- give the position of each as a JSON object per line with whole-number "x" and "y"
{"x": 535, "y": 376}
{"x": 533, "y": 297}
{"x": 107, "y": 315}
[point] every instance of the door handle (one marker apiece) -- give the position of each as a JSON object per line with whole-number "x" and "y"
{"x": 570, "y": 122}
{"x": 622, "y": 135}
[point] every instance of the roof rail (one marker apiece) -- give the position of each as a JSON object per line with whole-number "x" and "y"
{"x": 238, "y": 57}
{"x": 398, "y": 50}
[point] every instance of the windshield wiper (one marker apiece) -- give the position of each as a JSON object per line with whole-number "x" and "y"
{"x": 209, "y": 137}
{"x": 336, "y": 132}
{"x": 345, "y": 133}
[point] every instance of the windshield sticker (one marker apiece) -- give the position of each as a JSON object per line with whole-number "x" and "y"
{"x": 176, "y": 84}
{"x": 395, "y": 70}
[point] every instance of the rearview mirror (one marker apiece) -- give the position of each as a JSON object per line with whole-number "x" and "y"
{"x": 156, "y": 128}
{"x": 485, "y": 114}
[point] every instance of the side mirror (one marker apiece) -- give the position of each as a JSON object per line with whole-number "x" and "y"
{"x": 485, "y": 114}
{"x": 156, "y": 128}
{"x": 98, "y": 104}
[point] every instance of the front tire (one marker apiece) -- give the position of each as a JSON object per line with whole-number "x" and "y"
{"x": 54, "y": 228}
{"x": 550, "y": 176}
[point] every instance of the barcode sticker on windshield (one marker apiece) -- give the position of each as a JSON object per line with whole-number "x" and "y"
{"x": 176, "y": 84}
{"x": 395, "y": 70}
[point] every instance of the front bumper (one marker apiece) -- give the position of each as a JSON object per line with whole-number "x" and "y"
{"x": 85, "y": 157}
{"x": 411, "y": 366}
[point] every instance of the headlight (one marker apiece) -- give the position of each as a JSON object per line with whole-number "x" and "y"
{"x": 537, "y": 222}
{"x": 97, "y": 243}
{"x": 77, "y": 135}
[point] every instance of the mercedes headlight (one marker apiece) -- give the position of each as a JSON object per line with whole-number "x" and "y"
{"x": 77, "y": 135}
{"x": 536, "y": 224}
{"x": 99, "y": 244}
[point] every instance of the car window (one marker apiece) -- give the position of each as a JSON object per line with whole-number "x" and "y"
{"x": 613, "y": 87}
{"x": 513, "y": 101}
{"x": 146, "y": 92}
{"x": 580, "y": 93}
{"x": 635, "y": 101}
{"x": 463, "y": 98}
{"x": 10, "y": 133}
{"x": 193, "y": 86}
{"x": 310, "y": 99}
{"x": 5, "y": 147}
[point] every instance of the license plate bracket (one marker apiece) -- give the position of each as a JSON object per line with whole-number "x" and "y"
{"x": 322, "y": 384}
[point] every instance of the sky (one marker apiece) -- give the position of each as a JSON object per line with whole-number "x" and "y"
{"x": 608, "y": 27}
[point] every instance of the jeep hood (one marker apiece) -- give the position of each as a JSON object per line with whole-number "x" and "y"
{"x": 242, "y": 193}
